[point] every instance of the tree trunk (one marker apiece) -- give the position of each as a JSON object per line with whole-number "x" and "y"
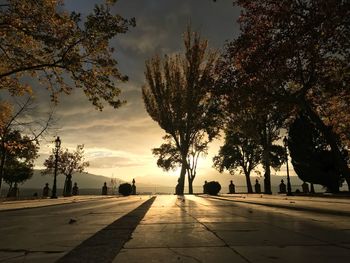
{"x": 331, "y": 140}
{"x": 190, "y": 184}
{"x": 2, "y": 166}
{"x": 312, "y": 189}
{"x": 267, "y": 180}
{"x": 10, "y": 190}
{"x": 181, "y": 181}
{"x": 249, "y": 183}
{"x": 266, "y": 161}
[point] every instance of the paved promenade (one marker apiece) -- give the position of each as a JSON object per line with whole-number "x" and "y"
{"x": 168, "y": 228}
{"x": 328, "y": 205}
{"x": 33, "y": 203}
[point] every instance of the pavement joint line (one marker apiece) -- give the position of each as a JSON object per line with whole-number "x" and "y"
{"x": 184, "y": 255}
{"x": 63, "y": 203}
{"x": 103, "y": 247}
{"x": 316, "y": 199}
{"x": 300, "y": 208}
{"x": 25, "y": 251}
{"x": 211, "y": 231}
{"x": 326, "y": 243}
{"x": 188, "y": 246}
{"x": 10, "y": 258}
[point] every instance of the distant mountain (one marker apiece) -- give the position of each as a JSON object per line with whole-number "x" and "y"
{"x": 92, "y": 181}
{"x": 84, "y": 180}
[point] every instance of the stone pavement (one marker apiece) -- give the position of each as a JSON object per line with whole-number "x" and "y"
{"x": 227, "y": 228}
{"x": 47, "y": 233}
{"x": 195, "y": 229}
{"x": 328, "y": 205}
{"x": 41, "y": 202}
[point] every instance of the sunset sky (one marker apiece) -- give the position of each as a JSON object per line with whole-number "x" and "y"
{"x": 118, "y": 142}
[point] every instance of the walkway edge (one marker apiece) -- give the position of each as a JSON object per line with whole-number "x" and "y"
{"x": 54, "y": 204}
{"x": 298, "y": 208}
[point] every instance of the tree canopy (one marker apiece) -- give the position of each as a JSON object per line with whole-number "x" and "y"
{"x": 239, "y": 154}
{"x": 68, "y": 163}
{"x": 16, "y": 119}
{"x": 177, "y": 96}
{"x": 311, "y": 156}
{"x": 41, "y": 40}
{"x": 21, "y": 152}
{"x": 293, "y": 56}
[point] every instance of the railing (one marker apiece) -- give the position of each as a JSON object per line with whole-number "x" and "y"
{"x": 28, "y": 193}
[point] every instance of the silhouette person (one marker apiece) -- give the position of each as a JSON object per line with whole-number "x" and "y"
{"x": 75, "y": 190}
{"x": 305, "y": 188}
{"x": 257, "y": 187}
{"x": 231, "y": 188}
{"x": 46, "y": 190}
{"x": 283, "y": 188}
{"x": 177, "y": 188}
{"x": 205, "y": 190}
{"x": 104, "y": 189}
{"x": 133, "y": 190}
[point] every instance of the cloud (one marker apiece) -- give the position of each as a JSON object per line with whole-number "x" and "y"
{"x": 119, "y": 141}
{"x": 113, "y": 162}
{"x": 104, "y": 158}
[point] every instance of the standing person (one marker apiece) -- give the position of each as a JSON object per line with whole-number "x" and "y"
{"x": 257, "y": 187}
{"x": 133, "y": 191}
{"x": 104, "y": 189}
{"x": 283, "y": 188}
{"x": 46, "y": 190}
{"x": 75, "y": 190}
{"x": 231, "y": 188}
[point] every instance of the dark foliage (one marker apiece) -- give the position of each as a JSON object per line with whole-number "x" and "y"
{"x": 177, "y": 96}
{"x": 20, "y": 153}
{"x": 212, "y": 188}
{"x": 125, "y": 189}
{"x": 311, "y": 156}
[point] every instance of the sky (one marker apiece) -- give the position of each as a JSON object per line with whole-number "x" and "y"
{"x": 118, "y": 142}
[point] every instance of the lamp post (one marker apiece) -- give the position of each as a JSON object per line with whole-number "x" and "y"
{"x": 57, "y": 147}
{"x": 289, "y": 188}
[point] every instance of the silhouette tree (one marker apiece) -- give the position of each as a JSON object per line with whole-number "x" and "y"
{"x": 21, "y": 152}
{"x": 68, "y": 163}
{"x": 239, "y": 153}
{"x": 40, "y": 40}
{"x": 177, "y": 97}
{"x": 294, "y": 55}
{"x": 198, "y": 148}
{"x": 169, "y": 157}
{"x": 19, "y": 118}
{"x": 311, "y": 158}
{"x": 265, "y": 128}
{"x": 262, "y": 125}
